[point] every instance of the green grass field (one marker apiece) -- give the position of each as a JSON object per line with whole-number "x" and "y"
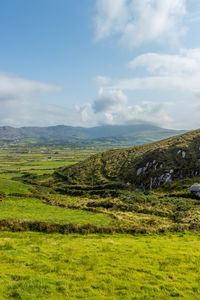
{"x": 10, "y": 186}
{"x": 41, "y": 266}
{"x": 35, "y": 265}
{"x": 34, "y": 210}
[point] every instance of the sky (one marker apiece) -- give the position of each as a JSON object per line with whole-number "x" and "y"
{"x": 95, "y": 62}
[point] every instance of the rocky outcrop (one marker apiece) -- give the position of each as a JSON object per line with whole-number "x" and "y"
{"x": 195, "y": 189}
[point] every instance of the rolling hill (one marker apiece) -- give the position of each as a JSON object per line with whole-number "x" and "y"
{"x": 100, "y": 135}
{"x": 145, "y": 166}
{"x": 145, "y": 188}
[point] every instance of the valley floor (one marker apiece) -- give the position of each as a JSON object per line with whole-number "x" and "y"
{"x": 54, "y": 266}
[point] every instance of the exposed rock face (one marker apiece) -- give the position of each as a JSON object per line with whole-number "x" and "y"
{"x": 195, "y": 189}
{"x": 139, "y": 171}
{"x": 162, "y": 179}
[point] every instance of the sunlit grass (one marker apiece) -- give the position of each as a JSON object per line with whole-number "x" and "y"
{"x": 9, "y": 186}
{"x": 36, "y": 210}
{"x": 53, "y": 266}
{"x": 41, "y": 266}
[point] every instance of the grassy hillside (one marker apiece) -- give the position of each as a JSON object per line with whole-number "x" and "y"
{"x": 146, "y": 166}
{"x": 118, "y": 183}
{"x": 40, "y": 263}
{"x": 108, "y": 192}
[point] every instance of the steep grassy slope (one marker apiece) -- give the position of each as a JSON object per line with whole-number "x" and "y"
{"x": 146, "y": 166}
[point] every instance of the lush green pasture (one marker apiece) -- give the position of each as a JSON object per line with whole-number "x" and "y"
{"x": 53, "y": 266}
{"x": 10, "y": 186}
{"x": 18, "y": 174}
{"x": 10, "y": 175}
{"x": 35, "y": 210}
{"x": 42, "y": 266}
{"x": 30, "y": 208}
{"x": 36, "y": 159}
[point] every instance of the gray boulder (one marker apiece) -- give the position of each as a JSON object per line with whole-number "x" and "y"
{"x": 195, "y": 189}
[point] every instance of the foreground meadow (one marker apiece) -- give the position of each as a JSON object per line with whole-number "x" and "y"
{"x": 35, "y": 265}
{"x": 54, "y": 266}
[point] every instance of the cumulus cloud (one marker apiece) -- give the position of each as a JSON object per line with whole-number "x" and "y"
{"x": 109, "y": 100}
{"x": 111, "y": 107}
{"x": 141, "y": 21}
{"x": 13, "y": 87}
{"x": 36, "y": 113}
{"x": 166, "y": 72}
{"x": 130, "y": 114}
{"x": 20, "y": 105}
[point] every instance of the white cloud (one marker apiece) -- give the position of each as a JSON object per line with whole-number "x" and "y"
{"x": 111, "y": 107}
{"x": 130, "y": 114}
{"x": 112, "y": 17}
{"x": 102, "y": 80}
{"x": 20, "y": 105}
{"x": 36, "y": 113}
{"x": 166, "y": 72}
{"x": 187, "y": 62}
{"x": 141, "y": 21}
{"x": 13, "y": 87}
{"x": 155, "y": 20}
{"x": 111, "y": 100}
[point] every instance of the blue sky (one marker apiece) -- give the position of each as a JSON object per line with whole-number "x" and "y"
{"x": 93, "y": 62}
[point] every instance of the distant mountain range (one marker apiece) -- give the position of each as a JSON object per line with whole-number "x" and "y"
{"x": 115, "y": 135}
